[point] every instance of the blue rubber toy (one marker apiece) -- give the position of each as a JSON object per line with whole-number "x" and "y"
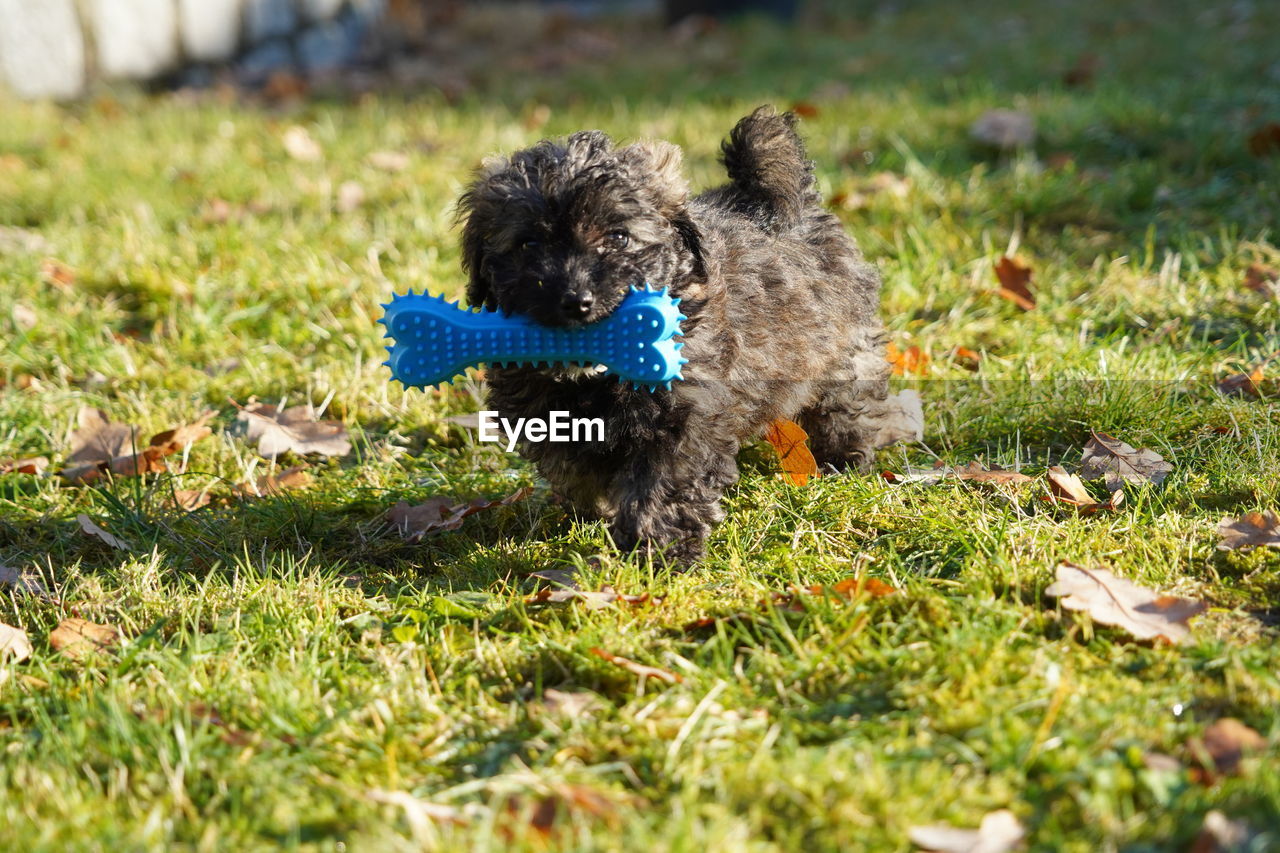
{"x": 434, "y": 340}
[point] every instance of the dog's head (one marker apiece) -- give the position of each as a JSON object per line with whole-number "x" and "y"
{"x": 560, "y": 232}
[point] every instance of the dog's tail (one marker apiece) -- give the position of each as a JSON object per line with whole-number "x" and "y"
{"x": 768, "y": 169}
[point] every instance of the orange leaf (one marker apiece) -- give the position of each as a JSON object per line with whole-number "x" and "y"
{"x": 1261, "y": 279}
{"x": 804, "y": 109}
{"x": 1015, "y": 282}
{"x": 792, "y": 445}
{"x": 912, "y": 360}
{"x": 967, "y": 358}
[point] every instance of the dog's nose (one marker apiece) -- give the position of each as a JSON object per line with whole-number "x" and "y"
{"x": 578, "y": 303}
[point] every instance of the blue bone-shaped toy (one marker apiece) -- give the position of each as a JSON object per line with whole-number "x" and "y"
{"x": 435, "y": 340}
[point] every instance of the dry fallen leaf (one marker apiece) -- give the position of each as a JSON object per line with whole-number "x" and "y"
{"x": 974, "y": 472}
{"x": 1081, "y": 74}
{"x": 1069, "y": 489}
{"x": 967, "y": 358}
{"x": 1015, "y": 282}
{"x": 100, "y": 445}
{"x": 1243, "y": 384}
{"x": 189, "y": 499}
{"x": 605, "y": 596}
{"x": 911, "y": 361}
{"x": 273, "y": 484}
{"x": 851, "y": 588}
{"x": 1262, "y": 279}
{"x": 1117, "y": 601}
{"x": 24, "y": 316}
{"x": 299, "y": 145}
{"x": 56, "y": 273}
{"x": 87, "y": 525}
{"x": 30, "y": 584}
{"x": 804, "y": 109}
{"x": 14, "y": 643}
{"x": 293, "y": 430}
{"x": 1000, "y": 831}
{"x": 30, "y": 465}
{"x": 1004, "y": 129}
{"x": 564, "y": 799}
{"x": 791, "y": 443}
{"x": 1116, "y": 461}
{"x": 1252, "y": 530}
{"x": 78, "y": 639}
{"x": 1224, "y": 744}
{"x": 442, "y": 514}
{"x": 638, "y": 668}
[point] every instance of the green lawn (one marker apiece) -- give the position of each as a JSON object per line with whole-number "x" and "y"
{"x": 293, "y": 673}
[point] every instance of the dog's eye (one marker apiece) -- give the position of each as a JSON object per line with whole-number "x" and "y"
{"x": 617, "y": 240}
{"x": 527, "y": 245}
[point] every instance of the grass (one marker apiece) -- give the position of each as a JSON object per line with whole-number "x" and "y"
{"x": 293, "y": 669}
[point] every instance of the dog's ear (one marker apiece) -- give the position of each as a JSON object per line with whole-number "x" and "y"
{"x": 476, "y": 210}
{"x": 661, "y": 164}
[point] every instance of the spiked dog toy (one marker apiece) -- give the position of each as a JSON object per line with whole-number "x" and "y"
{"x": 434, "y": 341}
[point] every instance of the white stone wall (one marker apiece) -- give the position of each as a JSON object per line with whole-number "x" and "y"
{"x": 50, "y": 48}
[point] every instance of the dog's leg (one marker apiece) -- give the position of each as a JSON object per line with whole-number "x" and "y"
{"x": 668, "y": 498}
{"x": 845, "y": 422}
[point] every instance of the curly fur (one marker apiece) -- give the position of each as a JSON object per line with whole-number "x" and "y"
{"x": 783, "y": 317}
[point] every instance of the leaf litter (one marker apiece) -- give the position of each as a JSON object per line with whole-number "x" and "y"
{"x": 1117, "y": 601}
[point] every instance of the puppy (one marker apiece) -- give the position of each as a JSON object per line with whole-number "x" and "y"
{"x": 783, "y": 317}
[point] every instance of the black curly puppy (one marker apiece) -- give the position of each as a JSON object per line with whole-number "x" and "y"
{"x": 783, "y": 317}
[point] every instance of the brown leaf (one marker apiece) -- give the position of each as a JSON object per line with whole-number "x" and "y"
{"x": 967, "y": 358}
{"x": 1252, "y": 530}
{"x": 1262, "y": 279}
{"x": 1114, "y": 460}
{"x": 995, "y": 474}
{"x": 98, "y": 440}
{"x": 1081, "y": 74}
{"x": 911, "y": 361}
{"x": 1117, "y": 601}
{"x": 851, "y": 588}
{"x": 804, "y": 109}
{"x": 273, "y": 484}
{"x": 1225, "y": 744}
{"x": 605, "y": 596}
{"x": 442, "y": 514}
{"x": 1265, "y": 141}
{"x": 638, "y": 669}
{"x": 293, "y": 430}
{"x": 30, "y": 584}
{"x": 30, "y": 465}
{"x": 1069, "y": 489}
{"x": 180, "y": 438}
{"x": 78, "y": 639}
{"x": 999, "y": 832}
{"x": 1015, "y": 282}
{"x": 189, "y": 499}
{"x": 57, "y": 273}
{"x": 14, "y": 643}
{"x": 1243, "y": 384}
{"x": 568, "y": 798}
{"x": 791, "y": 443}
{"x": 87, "y": 525}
